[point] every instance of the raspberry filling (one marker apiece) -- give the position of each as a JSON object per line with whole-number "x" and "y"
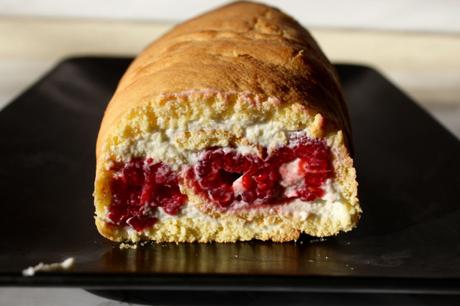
{"x": 139, "y": 188}
{"x": 298, "y": 170}
{"x": 224, "y": 177}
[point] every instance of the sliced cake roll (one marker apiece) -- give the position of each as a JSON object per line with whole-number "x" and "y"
{"x": 230, "y": 127}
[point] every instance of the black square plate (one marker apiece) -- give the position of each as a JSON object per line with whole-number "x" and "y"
{"x": 409, "y": 174}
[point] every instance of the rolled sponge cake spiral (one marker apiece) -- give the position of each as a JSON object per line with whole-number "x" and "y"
{"x": 232, "y": 126}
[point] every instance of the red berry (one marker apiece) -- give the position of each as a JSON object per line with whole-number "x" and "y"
{"x": 247, "y": 181}
{"x": 215, "y": 173}
{"x": 138, "y": 188}
{"x": 223, "y": 195}
{"x": 249, "y": 196}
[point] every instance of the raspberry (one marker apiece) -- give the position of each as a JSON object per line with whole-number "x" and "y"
{"x": 258, "y": 180}
{"x": 138, "y": 188}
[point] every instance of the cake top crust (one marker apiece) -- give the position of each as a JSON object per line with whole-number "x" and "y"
{"x": 242, "y": 47}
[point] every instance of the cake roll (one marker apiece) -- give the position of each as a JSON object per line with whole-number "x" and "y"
{"x": 230, "y": 127}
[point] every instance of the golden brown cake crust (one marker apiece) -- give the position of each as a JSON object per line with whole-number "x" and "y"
{"x": 241, "y": 47}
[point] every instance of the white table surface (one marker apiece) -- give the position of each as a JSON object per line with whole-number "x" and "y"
{"x": 426, "y": 66}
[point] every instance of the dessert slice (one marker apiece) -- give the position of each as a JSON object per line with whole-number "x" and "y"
{"x": 230, "y": 127}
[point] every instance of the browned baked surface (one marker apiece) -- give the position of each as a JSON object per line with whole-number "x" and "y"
{"x": 241, "y": 47}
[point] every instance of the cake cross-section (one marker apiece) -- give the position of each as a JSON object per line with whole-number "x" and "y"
{"x": 232, "y": 126}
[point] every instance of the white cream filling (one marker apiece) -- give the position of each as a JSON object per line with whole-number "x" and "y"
{"x": 291, "y": 177}
{"x": 162, "y": 145}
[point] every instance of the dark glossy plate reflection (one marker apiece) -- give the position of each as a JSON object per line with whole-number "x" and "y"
{"x": 408, "y": 167}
